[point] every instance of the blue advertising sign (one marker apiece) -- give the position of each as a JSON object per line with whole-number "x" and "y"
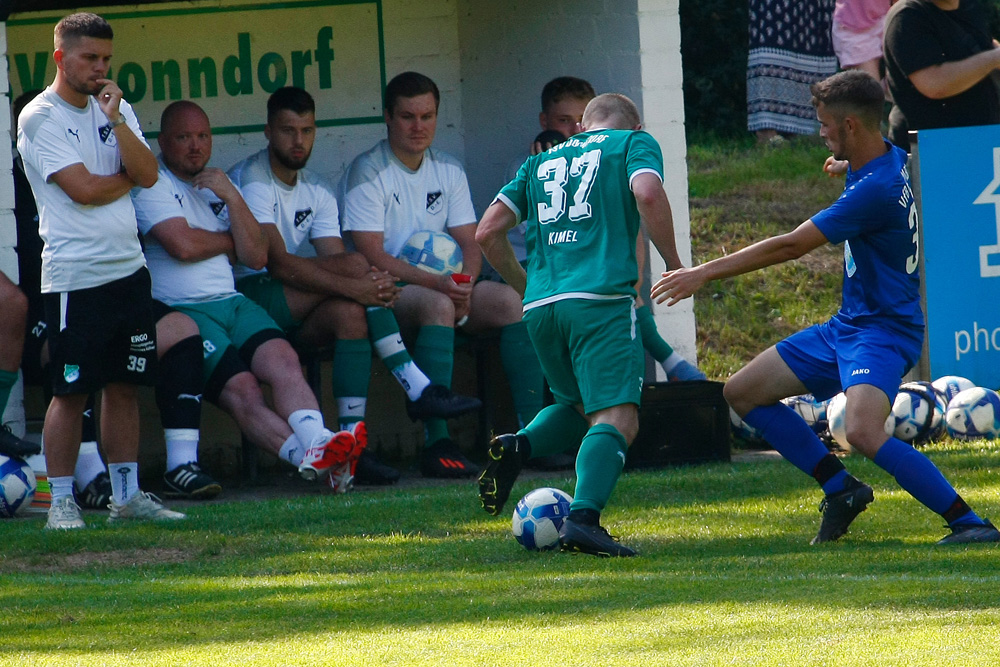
{"x": 960, "y": 203}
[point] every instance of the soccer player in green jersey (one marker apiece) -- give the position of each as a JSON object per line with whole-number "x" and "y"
{"x": 583, "y": 201}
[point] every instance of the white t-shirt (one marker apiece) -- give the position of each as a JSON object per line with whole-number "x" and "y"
{"x": 381, "y": 194}
{"x": 85, "y": 246}
{"x": 302, "y": 212}
{"x": 175, "y": 281}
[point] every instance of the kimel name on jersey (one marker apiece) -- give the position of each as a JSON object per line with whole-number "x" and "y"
{"x": 581, "y": 217}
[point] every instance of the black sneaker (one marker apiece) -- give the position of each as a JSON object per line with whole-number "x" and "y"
{"x": 592, "y": 540}
{"x": 506, "y": 454}
{"x": 967, "y": 533}
{"x": 839, "y": 509}
{"x": 189, "y": 481}
{"x": 443, "y": 460}
{"x": 97, "y": 494}
{"x": 438, "y": 401}
{"x": 15, "y": 448}
{"x": 373, "y": 472}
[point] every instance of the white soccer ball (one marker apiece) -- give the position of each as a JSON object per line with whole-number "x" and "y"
{"x": 811, "y": 410}
{"x": 937, "y": 426}
{"x": 974, "y": 413}
{"x": 538, "y": 517}
{"x": 434, "y": 252}
{"x": 17, "y": 486}
{"x": 950, "y": 385}
{"x": 916, "y": 413}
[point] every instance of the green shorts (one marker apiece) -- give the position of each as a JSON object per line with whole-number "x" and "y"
{"x": 589, "y": 351}
{"x": 269, "y": 294}
{"x": 234, "y": 323}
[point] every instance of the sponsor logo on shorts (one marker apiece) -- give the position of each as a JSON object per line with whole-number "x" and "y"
{"x": 860, "y": 371}
{"x": 71, "y": 373}
{"x": 435, "y": 202}
{"x": 209, "y": 347}
{"x": 191, "y": 397}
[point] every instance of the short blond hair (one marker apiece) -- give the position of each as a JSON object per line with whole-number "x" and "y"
{"x": 612, "y": 110}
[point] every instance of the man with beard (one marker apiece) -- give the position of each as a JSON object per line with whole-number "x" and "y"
{"x": 335, "y": 296}
{"x": 83, "y": 151}
{"x": 872, "y": 341}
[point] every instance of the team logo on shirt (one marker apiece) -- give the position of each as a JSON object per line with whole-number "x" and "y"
{"x": 217, "y": 207}
{"x": 302, "y": 218}
{"x": 435, "y": 201}
{"x": 107, "y": 135}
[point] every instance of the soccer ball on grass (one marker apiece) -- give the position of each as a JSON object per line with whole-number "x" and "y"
{"x": 974, "y": 413}
{"x": 538, "y": 517}
{"x": 17, "y": 486}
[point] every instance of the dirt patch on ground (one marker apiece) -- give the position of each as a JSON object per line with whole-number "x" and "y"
{"x": 87, "y": 559}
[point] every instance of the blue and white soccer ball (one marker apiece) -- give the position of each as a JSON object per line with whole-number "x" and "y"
{"x": 918, "y": 412}
{"x": 974, "y": 413}
{"x": 17, "y": 486}
{"x": 434, "y": 252}
{"x": 950, "y": 385}
{"x": 538, "y": 517}
{"x": 836, "y": 418}
{"x": 813, "y": 412}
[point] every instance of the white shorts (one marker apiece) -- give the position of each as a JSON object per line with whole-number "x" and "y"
{"x": 854, "y": 48}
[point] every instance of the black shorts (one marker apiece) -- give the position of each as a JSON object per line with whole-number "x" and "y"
{"x": 102, "y": 335}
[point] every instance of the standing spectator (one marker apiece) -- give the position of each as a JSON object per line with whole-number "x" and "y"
{"x": 790, "y": 48}
{"x": 83, "y": 152}
{"x": 335, "y": 297}
{"x": 195, "y": 221}
{"x": 872, "y": 341}
{"x": 579, "y": 304}
{"x": 857, "y": 34}
{"x": 402, "y": 186}
{"x": 941, "y": 65}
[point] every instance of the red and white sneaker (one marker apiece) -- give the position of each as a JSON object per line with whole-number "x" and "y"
{"x": 333, "y": 450}
{"x": 341, "y": 478}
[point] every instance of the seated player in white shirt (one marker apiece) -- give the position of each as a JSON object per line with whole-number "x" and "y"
{"x": 402, "y": 186}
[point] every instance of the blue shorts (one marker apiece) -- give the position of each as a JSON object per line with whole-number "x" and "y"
{"x": 830, "y": 357}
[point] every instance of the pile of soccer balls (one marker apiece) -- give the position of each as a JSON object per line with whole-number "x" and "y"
{"x": 921, "y": 413}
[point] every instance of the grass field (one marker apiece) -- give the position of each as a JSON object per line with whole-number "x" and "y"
{"x": 421, "y": 576}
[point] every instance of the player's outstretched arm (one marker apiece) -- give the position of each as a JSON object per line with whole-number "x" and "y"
{"x": 654, "y": 209}
{"x": 682, "y": 283}
{"x": 491, "y": 235}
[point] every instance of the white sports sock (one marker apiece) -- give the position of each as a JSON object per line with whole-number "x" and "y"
{"x": 307, "y": 425}
{"x": 124, "y": 481}
{"x": 292, "y": 451}
{"x": 61, "y": 487}
{"x": 182, "y": 446}
{"x": 412, "y": 379}
{"x": 88, "y": 464}
{"x": 671, "y": 361}
{"x": 350, "y": 409}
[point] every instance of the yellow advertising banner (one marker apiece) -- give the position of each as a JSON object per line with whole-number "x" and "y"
{"x": 228, "y": 56}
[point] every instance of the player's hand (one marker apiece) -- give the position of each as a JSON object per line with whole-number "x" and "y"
{"x": 215, "y": 179}
{"x": 835, "y": 167}
{"x": 676, "y": 285}
{"x": 108, "y": 98}
{"x": 381, "y": 289}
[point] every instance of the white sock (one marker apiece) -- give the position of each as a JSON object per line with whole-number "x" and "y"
{"x": 350, "y": 409}
{"x": 182, "y": 446}
{"x": 671, "y": 361}
{"x": 124, "y": 481}
{"x": 412, "y": 379}
{"x": 307, "y": 425}
{"x": 61, "y": 487}
{"x": 88, "y": 464}
{"x": 292, "y": 451}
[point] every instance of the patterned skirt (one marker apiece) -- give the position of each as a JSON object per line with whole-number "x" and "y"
{"x": 790, "y": 49}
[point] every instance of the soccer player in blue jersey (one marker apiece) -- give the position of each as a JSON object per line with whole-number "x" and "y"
{"x": 869, "y": 344}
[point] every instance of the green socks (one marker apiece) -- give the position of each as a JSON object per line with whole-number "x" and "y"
{"x": 524, "y": 373}
{"x": 555, "y": 429}
{"x": 434, "y": 352}
{"x": 383, "y": 331}
{"x": 598, "y": 466}
{"x": 352, "y": 367}
{"x": 658, "y": 348}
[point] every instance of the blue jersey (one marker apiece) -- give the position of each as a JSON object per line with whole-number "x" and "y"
{"x": 876, "y": 218}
